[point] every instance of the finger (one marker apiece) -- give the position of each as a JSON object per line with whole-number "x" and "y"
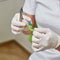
{"x": 26, "y": 18}
{"x": 17, "y": 23}
{"x": 42, "y": 30}
{"x": 35, "y": 40}
{"x": 35, "y": 45}
{"x": 25, "y": 21}
{"x": 35, "y": 49}
{"x": 37, "y": 34}
{"x": 16, "y": 28}
{"x": 16, "y": 17}
{"x": 14, "y": 32}
{"x": 39, "y": 49}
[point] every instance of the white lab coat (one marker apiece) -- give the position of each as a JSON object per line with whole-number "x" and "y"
{"x": 47, "y": 14}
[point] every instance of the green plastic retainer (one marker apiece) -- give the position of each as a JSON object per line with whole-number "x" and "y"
{"x": 31, "y": 28}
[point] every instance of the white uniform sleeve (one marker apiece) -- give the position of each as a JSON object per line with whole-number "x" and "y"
{"x": 29, "y": 6}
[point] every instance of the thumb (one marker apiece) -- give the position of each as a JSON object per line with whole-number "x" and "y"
{"x": 17, "y": 16}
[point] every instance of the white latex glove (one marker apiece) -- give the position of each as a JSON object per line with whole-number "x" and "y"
{"x": 44, "y": 38}
{"x": 17, "y": 26}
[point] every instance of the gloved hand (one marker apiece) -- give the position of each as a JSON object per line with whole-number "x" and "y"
{"x": 44, "y": 38}
{"x": 16, "y": 25}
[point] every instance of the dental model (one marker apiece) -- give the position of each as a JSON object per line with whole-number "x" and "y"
{"x": 28, "y": 21}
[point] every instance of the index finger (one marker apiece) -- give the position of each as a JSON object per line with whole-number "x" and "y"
{"x": 41, "y": 30}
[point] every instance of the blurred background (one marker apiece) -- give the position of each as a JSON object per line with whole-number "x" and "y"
{"x": 8, "y": 8}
